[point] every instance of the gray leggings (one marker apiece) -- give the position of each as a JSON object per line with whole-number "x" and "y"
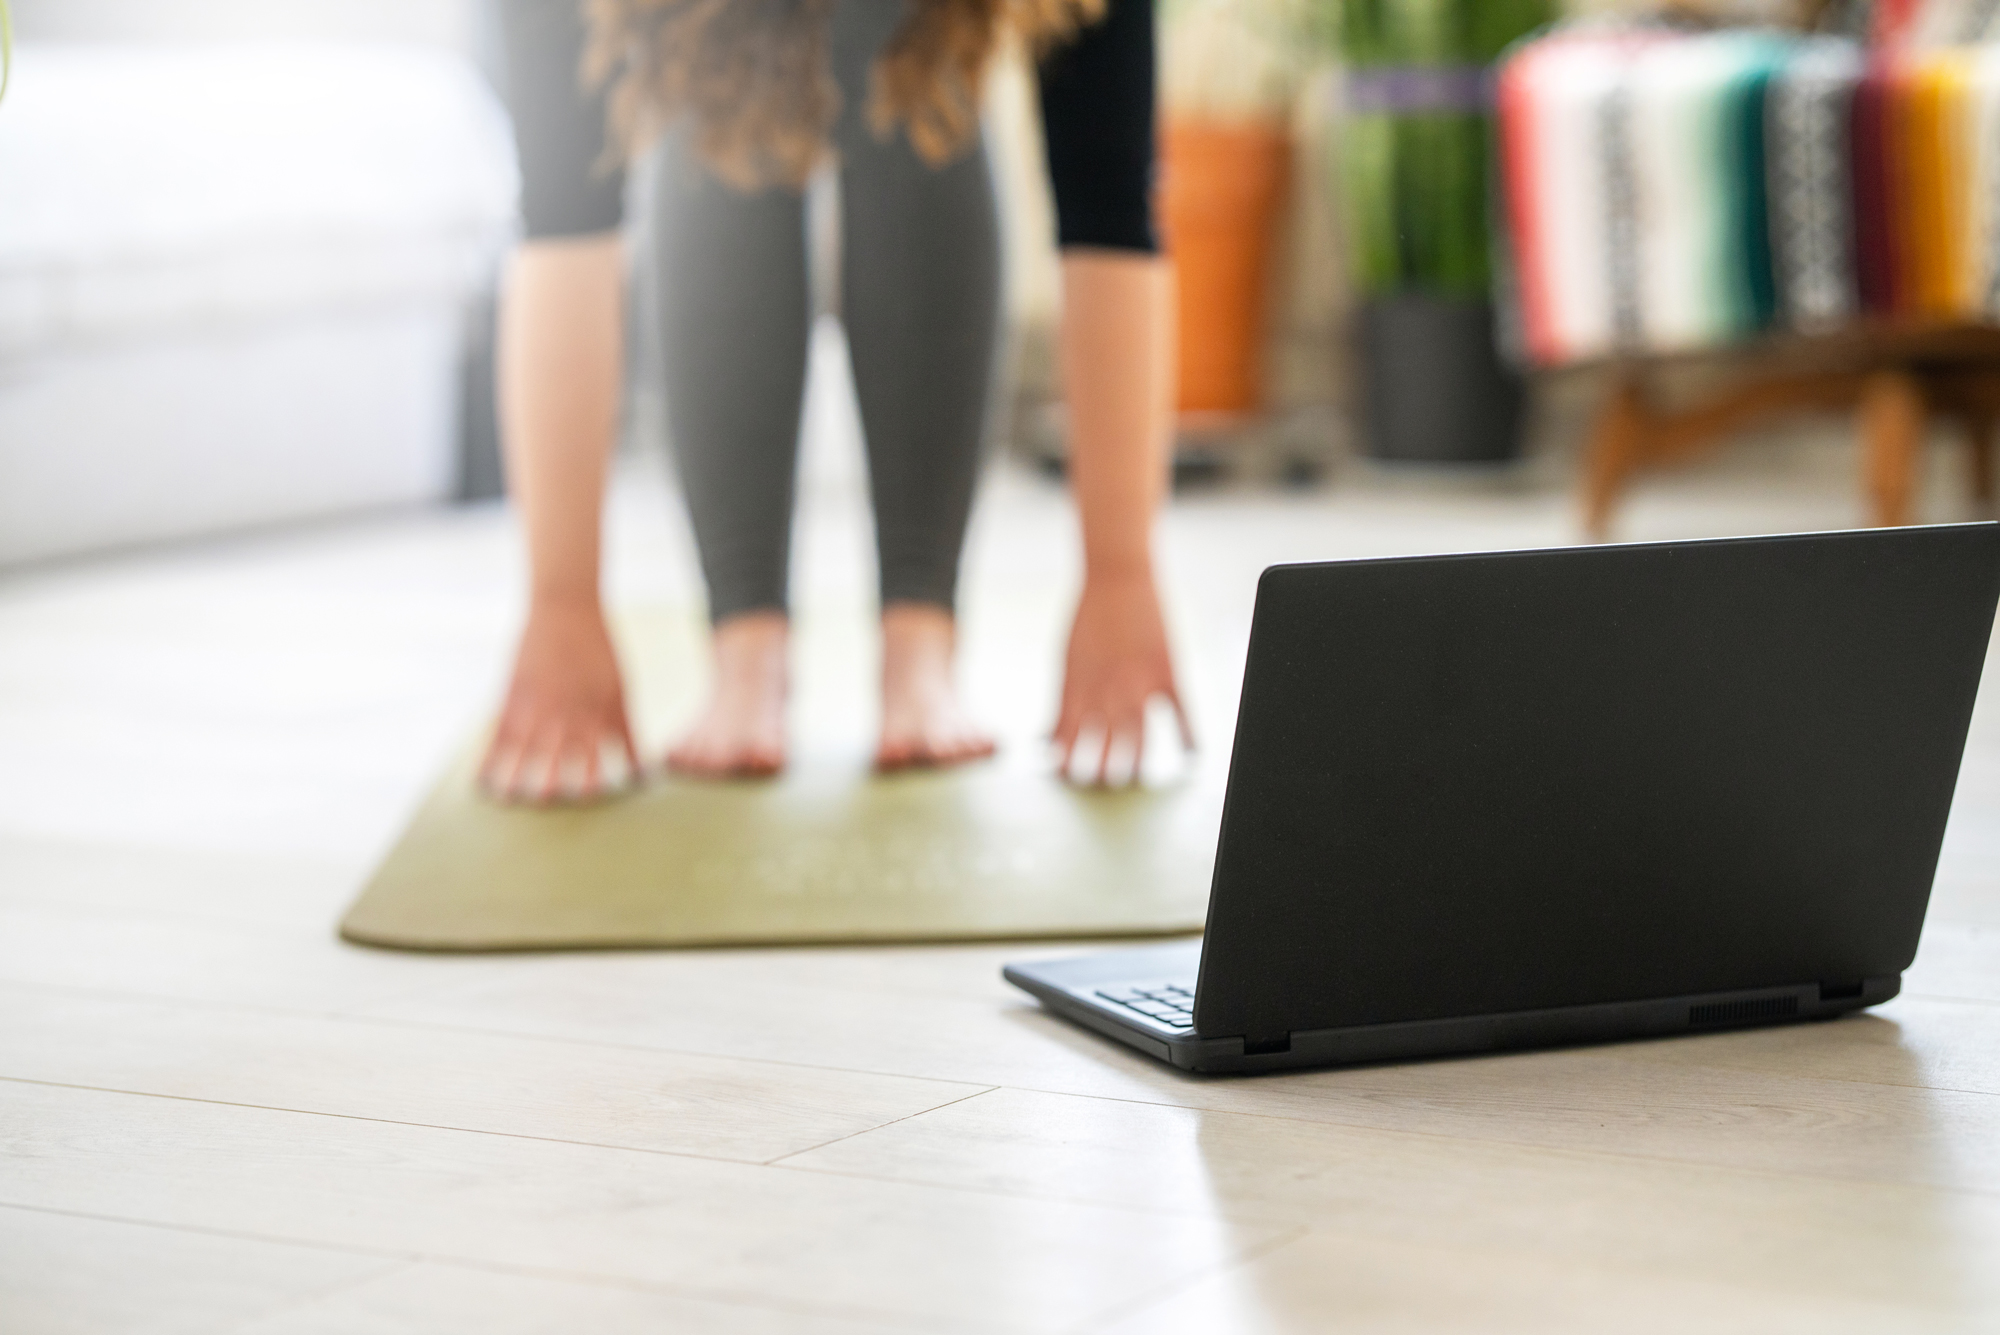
{"x": 919, "y": 284}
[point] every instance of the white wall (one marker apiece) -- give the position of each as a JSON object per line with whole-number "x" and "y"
{"x": 432, "y": 22}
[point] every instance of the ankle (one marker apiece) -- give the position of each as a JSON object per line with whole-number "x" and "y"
{"x": 918, "y": 624}
{"x": 759, "y": 625}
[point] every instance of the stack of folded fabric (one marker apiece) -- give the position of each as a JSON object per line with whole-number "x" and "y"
{"x": 1810, "y": 172}
{"x": 1563, "y": 179}
{"x": 1666, "y": 191}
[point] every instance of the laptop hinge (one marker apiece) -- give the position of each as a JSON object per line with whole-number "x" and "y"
{"x": 1264, "y": 1047}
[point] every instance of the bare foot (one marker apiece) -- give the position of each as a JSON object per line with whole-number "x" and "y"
{"x": 922, "y": 720}
{"x": 741, "y": 730}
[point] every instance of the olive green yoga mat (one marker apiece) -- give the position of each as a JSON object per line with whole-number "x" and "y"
{"x": 827, "y": 853}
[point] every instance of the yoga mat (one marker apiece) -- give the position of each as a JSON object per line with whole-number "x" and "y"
{"x": 827, "y": 853}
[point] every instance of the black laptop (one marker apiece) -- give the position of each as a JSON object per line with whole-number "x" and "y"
{"x": 1524, "y": 798}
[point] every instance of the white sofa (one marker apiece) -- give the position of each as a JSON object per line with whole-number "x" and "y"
{"x": 234, "y": 284}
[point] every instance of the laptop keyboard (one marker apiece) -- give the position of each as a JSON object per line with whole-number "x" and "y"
{"x": 1169, "y": 1003}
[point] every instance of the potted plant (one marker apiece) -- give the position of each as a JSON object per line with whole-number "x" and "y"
{"x": 1416, "y": 153}
{"x": 1229, "y": 76}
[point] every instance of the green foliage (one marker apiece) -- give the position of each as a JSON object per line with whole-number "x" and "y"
{"x": 1434, "y": 32}
{"x": 1416, "y": 201}
{"x": 1415, "y": 182}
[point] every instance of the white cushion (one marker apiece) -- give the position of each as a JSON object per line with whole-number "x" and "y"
{"x": 171, "y": 188}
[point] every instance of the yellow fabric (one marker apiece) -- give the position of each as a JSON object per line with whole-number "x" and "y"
{"x": 1933, "y": 251}
{"x": 1956, "y": 138}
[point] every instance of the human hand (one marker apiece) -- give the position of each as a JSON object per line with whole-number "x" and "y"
{"x": 565, "y": 709}
{"x": 1118, "y": 661}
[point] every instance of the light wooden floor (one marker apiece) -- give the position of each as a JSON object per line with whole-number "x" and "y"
{"x": 214, "y": 1117}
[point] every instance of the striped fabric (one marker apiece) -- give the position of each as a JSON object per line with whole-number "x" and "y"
{"x": 1665, "y": 191}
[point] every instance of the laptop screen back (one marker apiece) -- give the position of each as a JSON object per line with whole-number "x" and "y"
{"x": 1473, "y": 784}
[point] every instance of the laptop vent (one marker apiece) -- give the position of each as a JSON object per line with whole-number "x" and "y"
{"x": 1742, "y": 1012}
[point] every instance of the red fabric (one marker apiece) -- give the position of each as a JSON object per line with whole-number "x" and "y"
{"x": 1872, "y": 144}
{"x": 1889, "y": 22}
{"x": 1514, "y": 110}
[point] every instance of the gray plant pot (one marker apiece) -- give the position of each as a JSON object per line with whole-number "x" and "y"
{"x": 1434, "y": 389}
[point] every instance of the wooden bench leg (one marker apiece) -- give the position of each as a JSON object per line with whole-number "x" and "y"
{"x": 1892, "y": 437}
{"x": 1979, "y": 457}
{"x": 1616, "y": 445}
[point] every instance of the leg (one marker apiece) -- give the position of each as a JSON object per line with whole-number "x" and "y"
{"x": 920, "y": 299}
{"x": 1979, "y": 455}
{"x": 1892, "y": 437}
{"x": 731, "y": 306}
{"x": 1617, "y": 443}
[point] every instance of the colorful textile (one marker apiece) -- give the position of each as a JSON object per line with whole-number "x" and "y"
{"x": 1808, "y": 175}
{"x": 1557, "y": 193}
{"x": 1698, "y": 152}
{"x": 1667, "y": 191}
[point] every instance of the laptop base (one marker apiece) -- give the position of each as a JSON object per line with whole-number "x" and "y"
{"x": 1071, "y": 988}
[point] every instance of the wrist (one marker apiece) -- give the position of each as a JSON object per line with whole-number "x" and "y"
{"x": 1123, "y": 570}
{"x": 1125, "y": 566}
{"x": 558, "y": 601}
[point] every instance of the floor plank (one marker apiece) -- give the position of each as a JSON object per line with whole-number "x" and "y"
{"x": 1870, "y": 1242}
{"x": 1916, "y": 1041}
{"x": 1653, "y": 1098}
{"x": 875, "y": 1250}
{"x": 145, "y": 882}
{"x": 1957, "y": 960}
{"x": 1347, "y": 1284}
{"x": 433, "y": 1299}
{"x": 298, "y": 968}
{"x": 65, "y": 1275}
{"x": 717, "y": 1107}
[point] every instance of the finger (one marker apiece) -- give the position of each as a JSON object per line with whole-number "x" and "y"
{"x": 499, "y": 756}
{"x": 1129, "y": 740}
{"x": 549, "y": 789}
{"x": 1181, "y": 716}
{"x": 1062, "y": 738}
{"x": 493, "y": 765}
{"x": 530, "y": 767}
{"x": 614, "y": 763}
{"x": 509, "y": 784}
{"x": 1076, "y": 763}
{"x": 574, "y": 764}
{"x": 582, "y": 767}
{"x": 1139, "y": 746}
{"x": 589, "y": 789}
{"x": 633, "y": 769}
{"x": 1104, "y": 758}
{"x": 1068, "y": 719}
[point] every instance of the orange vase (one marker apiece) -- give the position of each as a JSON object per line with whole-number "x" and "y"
{"x": 1221, "y": 187}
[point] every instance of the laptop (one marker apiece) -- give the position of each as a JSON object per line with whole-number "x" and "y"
{"x": 1515, "y": 799}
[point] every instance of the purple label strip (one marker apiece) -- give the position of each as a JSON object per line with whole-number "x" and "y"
{"x": 1417, "y": 88}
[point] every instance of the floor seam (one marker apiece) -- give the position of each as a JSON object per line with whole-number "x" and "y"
{"x": 779, "y": 1161}
{"x": 405, "y": 1258}
{"x": 383, "y": 1271}
{"x": 347, "y": 1017}
{"x": 380, "y": 1121}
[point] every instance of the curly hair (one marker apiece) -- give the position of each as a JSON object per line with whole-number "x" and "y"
{"x": 753, "y": 76}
